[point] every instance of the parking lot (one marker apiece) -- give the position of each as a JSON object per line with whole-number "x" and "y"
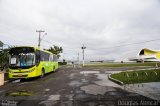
{"x": 70, "y": 86}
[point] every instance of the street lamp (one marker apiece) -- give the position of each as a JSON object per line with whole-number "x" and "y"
{"x": 83, "y": 47}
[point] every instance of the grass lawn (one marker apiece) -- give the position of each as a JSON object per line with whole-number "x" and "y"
{"x": 138, "y": 76}
{"x": 120, "y": 64}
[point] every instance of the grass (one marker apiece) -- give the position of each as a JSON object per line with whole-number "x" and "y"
{"x": 121, "y": 64}
{"x": 138, "y": 76}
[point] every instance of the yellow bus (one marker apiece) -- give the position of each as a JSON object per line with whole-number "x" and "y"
{"x": 28, "y": 62}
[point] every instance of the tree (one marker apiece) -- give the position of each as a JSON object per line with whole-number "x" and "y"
{"x": 4, "y": 56}
{"x": 1, "y": 44}
{"x": 56, "y": 50}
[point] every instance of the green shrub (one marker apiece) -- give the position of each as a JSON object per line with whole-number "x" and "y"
{"x": 62, "y": 63}
{"x": 138, "y": 76}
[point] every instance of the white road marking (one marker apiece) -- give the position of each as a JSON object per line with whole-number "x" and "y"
{"x": 47, "y": 90}
{"x": 54, "y": 97}
{"x": 89, "y": 72}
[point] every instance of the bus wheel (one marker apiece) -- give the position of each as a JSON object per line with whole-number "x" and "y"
{"x": 54, "y": 68}
{"x": 43, "y": 72}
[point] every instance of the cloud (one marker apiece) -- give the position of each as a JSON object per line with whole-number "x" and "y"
{"x": 100, "y": 25}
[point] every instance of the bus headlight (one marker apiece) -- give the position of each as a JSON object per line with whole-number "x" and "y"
{"x": 31, "y": 70}
{"x": 11, "y": 72}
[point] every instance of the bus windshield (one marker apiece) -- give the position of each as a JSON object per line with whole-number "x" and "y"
{"x": 20, "y": 58}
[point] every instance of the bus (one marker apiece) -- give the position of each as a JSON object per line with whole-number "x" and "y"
{"x": 27, "y": 62}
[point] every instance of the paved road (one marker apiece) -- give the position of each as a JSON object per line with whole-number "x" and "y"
{"x": 70, "y": 87}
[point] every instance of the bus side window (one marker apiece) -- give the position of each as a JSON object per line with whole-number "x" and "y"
{"x": 37, "y": 57}
{"x": 51, "y": 58}
{"x": 54, "y": 58}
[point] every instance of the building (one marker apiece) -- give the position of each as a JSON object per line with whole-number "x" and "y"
{"x": 147, "y": 55}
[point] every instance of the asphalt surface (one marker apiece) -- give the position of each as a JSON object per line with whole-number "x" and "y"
{"x": 70, "y": 86}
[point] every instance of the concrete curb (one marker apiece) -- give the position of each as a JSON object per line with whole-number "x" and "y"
{"x": 115, "y": 80}
{"x": 142, "y": 69}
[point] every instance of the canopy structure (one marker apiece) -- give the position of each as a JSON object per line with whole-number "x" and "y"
{"x": 147, "y": 55}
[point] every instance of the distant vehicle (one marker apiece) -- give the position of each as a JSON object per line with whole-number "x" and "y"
{"x": 28, "y": 62}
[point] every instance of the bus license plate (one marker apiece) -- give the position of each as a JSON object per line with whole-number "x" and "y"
{"x": 19, "y": 74}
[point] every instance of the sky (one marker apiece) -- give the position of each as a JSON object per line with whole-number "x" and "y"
{"x": 110, "y": 29}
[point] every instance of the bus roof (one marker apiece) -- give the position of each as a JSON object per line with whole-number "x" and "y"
{"x": 35, "y": 48}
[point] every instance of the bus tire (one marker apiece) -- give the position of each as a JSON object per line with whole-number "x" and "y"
{"x": 54, "y": 69}
{"x": 43, "y": 73}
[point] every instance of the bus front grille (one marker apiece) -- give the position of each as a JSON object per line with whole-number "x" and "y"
{"x": 17, "y": 72}
{"x": 20, "y": 76}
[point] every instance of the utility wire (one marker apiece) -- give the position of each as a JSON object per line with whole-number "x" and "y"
{"x": 62, "y": 46}
{"x": 113, "y": 46}
{"x": 128, "y": 44}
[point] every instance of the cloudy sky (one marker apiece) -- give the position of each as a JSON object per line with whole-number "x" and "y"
{"x": 110, "y": 29}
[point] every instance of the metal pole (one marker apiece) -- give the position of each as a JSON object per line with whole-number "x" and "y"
{"x": 73, "y": 62}
{"x": 83, "y": 56}
{"x": 78, "y": 59}
{"x": 39, "y": 39}
{"x": 83, "y": 47}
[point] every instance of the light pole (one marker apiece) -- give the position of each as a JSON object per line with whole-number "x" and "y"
{"x": 39, "y": 39}
{"x": 83, "y": 47}
{"x": 78, "y": 60}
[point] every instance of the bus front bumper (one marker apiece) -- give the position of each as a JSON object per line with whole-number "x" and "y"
{"x": 21, "y": 75}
